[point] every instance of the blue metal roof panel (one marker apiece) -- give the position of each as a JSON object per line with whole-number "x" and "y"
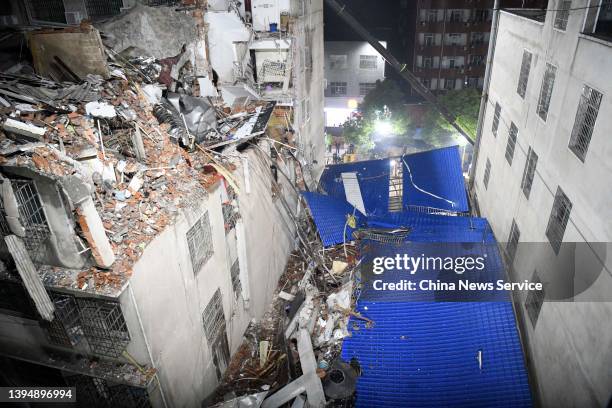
{"x": 373, "y": 176}
{"x": 329, "y": 216}
{"x": 425, "y": 354}
{"x": 437, "y": 172}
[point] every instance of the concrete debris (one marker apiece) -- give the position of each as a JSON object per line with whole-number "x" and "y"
{"x": 100, "y": 110}
{"x": 31, "y": 132}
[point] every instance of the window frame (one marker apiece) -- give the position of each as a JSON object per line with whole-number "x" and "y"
{"x": 368, "y": 59}
{"x": 511, "y": 144}
{"x": 550, "y": 71}
{"x": 523, "y": 81}
{"x": 487, "y": 174}
{"x": 529, "y": 172}
{"x": 496, "y": 119}
{"x": 333, "y": 86}
{"x": 582, "y": 131}
{"x": 557, "y": 225}
{"x": 562, "y": 15}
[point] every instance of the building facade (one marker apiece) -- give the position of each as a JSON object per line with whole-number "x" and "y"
{"x": 155, "y": 323}
{"x": 541, "y": 179}
{"x": 351, "y": 71}
{"x": 451, "y": 43}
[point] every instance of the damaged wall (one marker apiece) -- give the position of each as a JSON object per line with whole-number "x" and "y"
{"x": 225, "y": 28}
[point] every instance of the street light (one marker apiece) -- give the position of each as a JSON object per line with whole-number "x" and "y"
{"x": 383, "y": 127}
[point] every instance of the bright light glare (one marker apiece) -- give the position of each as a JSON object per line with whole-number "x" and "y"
{"x": 383, "y": 127}
{"x": 461, "y": 140}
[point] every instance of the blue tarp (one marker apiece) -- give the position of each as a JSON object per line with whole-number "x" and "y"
{"x": 437, "y": 172}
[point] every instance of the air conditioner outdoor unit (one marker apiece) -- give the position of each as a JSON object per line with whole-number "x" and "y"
{"x": 73, "y": 17}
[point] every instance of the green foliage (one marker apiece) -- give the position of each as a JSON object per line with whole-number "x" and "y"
{"x": 387, "y": 93}
{"x": 464, "y": 104}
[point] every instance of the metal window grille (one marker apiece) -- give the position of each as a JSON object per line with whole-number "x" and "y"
{"x": 199, "y": 240}
{"x": 4, "y": 227}
{"x": 103, "y": 326}
{"x": 337, "y": 88}
{"x": 213, "y": 317}
{"x": 524, "y": 74}
{"x": 368, "y": 61}
{"x": 513, "y": 240}
{"x": 428, "y": 39}
{"x": 487, "y": 174}
{"x": 512, "y": 135}
{"x": 534, "y": 301}
{"x": 100, "y": 9}
{"x": 563, "y": 12}
{"x": 97, "y": 392}
{"x": 31, "y": 213}
{"x": 559, "y": 216}
{"x": 546, "y": 91}
{"x": 47, "y": 10}
{"x": 366, "y": 87}
{"x": 235, "y": 274}
{"x": 449, "y": 84}
{"x": 65, "y": 329}
{"x": 529, "y": 172}
{"x": 496, "y": 118}
{"x": 588, "y": 108}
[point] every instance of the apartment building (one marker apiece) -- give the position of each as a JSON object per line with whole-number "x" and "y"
{"x": 351, "y": 71}
{"x": 149, "y": 314}
{"x": 541, "y": 178}
{"x": 451, "y": 43}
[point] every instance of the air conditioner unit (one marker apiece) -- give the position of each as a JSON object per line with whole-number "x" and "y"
{"x": 73, "y": 17}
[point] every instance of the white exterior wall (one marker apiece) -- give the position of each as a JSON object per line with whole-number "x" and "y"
{"x": 337, "y": 108}
{"x": 571, "y": 345}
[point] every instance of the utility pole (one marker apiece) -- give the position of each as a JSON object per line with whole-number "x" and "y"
{"x": 402, "y": 69}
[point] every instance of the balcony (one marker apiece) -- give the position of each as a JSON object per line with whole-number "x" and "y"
{"x": 598, "y": 23}
{"x": 534, "y": 14}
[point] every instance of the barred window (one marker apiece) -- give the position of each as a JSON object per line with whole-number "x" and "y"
{"x": 104, "y": 327}
{"x": 529, "y": 172}
{"x": 588, "y": 108}
{"x": 487, "y": 174}
{"x": 199, "y": 239}
{"x": 512, "y": 135}
{"x": 496, "y": 117}
{"x": 513, "y": 240}
{"x": 546, "y": 91}
{"x": 368, "y": 61}
{"x": 563, "y": 11}
{"x": 337, "y": 88}
{"x": 366, "y": 87}
{"x": 559, "y": 216}
{"x": 524, "y": 75}
{"x": 534, "y": 301}
{"x": 213, "y": 317}
{"x": 235, "y": 274}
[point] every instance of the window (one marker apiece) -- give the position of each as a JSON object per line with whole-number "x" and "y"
{"x": 496, "y": 117}
{"x": 368, "y": 61}
{"x": 104, "y": 327}
{"x": 529, "y": 172}
{"x": 426, "y": 83}
{"x": 559, "y": 216}
{"x": 449, "y": 84}
{"x": 477, "y": 38}
{"x": 216, "y": 332}
{"x": 337, "y": 88}
{"x": 337, "y": 62}
{"x": 428, "y": 39}
{"x": 366, "y": 87}
{"x": 524, "y": 74}
{"x": 456, "y": 16}
{"x": 427, "y": 62}
{"x": 476, "y": 60}
{"x": 546, "y": 91}
{"x": 453, "y": 39}
{"x": 563, "y": 11}
{"x": 588, "y": 108}
{"x": 481, "y": 15}
{"x": 487, "y": 174}
{"x": 472, "y": 82}
{"x": 432, "y": 16}
{"x": 513, "y": 240}
{"x": 534, "y": 301}
{"x": 199, "y": 239}
{"x": 512, "y": 135}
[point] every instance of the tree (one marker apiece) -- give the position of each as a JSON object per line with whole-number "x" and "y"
{"x": 463, "y": 104}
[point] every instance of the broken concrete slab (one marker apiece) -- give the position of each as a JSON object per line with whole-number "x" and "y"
{"x": 158, "y": 32}
{"x": 30, "y": 132}
{"x": 29, "y": 275}
{"x": 95, "y": 235}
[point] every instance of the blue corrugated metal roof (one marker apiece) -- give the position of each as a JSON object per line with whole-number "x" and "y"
{"x": 424, "y": 354}
{"x": 373, "y": 176}
{"x": 329, "y": 216}
{"x": 437, "y": 172}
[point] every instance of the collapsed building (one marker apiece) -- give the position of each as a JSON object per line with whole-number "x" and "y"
{"x": 151, "y": 162}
